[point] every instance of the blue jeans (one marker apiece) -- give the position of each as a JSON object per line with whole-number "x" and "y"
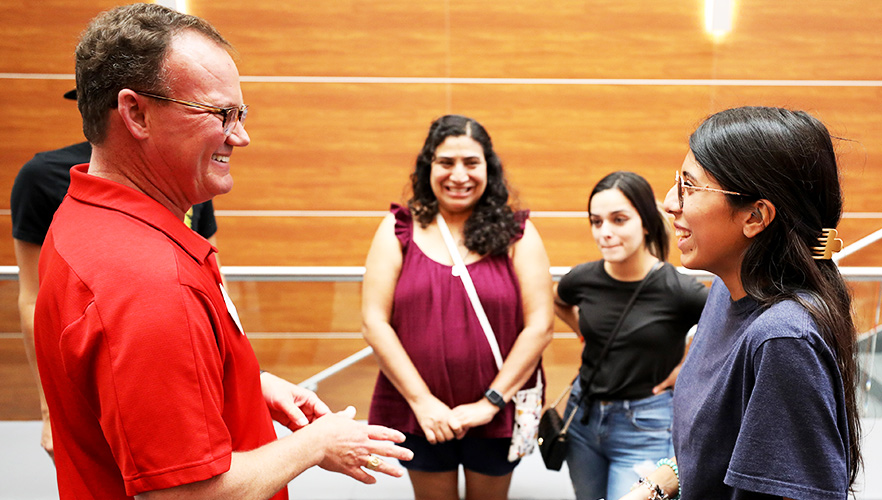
{"x": 620, "y": 435}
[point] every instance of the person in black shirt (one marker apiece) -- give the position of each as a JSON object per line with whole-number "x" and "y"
{"x": 624, "y": 422}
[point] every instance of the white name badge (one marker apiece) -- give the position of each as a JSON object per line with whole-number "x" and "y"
{"x": 231, "y": 308}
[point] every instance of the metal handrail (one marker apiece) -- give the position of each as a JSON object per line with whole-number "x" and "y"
{"x": 356, "y": 273}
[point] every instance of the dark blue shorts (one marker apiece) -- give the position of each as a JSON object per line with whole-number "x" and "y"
{"x": 488, "y": 456}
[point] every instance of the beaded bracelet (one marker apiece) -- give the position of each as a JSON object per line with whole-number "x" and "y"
{"x": 673, "y": 466}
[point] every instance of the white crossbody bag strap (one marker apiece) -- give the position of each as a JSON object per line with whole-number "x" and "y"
{"x": 460, "y": 269}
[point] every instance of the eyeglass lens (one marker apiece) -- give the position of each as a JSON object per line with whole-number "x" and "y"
{"x": 680, "y": 190}
{"x": 232, "y": 116}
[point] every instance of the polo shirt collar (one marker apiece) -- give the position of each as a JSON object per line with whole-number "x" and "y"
{"x": 115, "y": 196}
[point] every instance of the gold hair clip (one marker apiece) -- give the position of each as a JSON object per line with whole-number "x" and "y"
{"x": 831, "y": 244}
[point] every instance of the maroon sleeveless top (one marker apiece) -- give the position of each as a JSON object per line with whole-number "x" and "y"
{"x": 435, "y": 322}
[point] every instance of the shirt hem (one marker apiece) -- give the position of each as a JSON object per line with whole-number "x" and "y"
{"x": 779, "y": 488}
{"x": 178, "y": 476}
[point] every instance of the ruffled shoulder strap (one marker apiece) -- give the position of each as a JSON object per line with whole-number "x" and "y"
{"x": 403, "y": 223}
{"x": 521, "y": 217}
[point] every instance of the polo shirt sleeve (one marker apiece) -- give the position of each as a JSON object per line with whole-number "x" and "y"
{"x": 790, "y": 443}
{"x": 154, "y": 369}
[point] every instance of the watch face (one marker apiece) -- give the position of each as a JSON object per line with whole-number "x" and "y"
{"x": 495, "y": 397}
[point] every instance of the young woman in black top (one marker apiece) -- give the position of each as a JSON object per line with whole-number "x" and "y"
{"x": 625, "y": 420}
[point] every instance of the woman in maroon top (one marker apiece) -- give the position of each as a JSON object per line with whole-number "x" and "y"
{"x": 439, "y": 383}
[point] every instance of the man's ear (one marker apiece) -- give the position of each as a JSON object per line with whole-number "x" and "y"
{"x": 759, "y": 215}
{"x": 130, "y": 107}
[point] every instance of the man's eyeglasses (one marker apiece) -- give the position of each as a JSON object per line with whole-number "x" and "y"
{"x": 681, "y": 186}
{"x": 230, "y": 116}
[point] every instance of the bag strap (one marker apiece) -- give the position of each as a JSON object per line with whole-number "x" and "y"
{"x": 565, "y": 392}
{"x": 609, "y": 341}
{"x": 460, "y": 269}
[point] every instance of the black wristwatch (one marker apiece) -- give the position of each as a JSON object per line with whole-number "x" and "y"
{"x": 495, "y": 397}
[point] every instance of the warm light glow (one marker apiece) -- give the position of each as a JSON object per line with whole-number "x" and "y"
{"x": 718, "y": 16}
{"x": 178, "y": 5}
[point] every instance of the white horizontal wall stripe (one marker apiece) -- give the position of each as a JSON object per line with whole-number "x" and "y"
{"x": 36, "y": 76}
{"x": 566, "y": 81}
{"x": 300, "y": 213}
{"x": 550, "y": 214}
{"x": 708, "y": 82}
{"x": 366, "y": 213}
{"x": 543, "y": 214}
{"x": 295, "y": 335}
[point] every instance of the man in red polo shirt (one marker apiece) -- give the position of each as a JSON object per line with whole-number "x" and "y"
{"x": 152, "y": 385}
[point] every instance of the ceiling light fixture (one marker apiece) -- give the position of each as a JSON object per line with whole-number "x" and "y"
{"x": 718, "y": 16}
{"x": 178, "y": 5}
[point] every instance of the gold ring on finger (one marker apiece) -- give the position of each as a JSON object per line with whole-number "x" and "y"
{"x": 374, "y": 462}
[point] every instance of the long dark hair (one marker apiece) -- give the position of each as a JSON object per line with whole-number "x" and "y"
{"x": 492, "y": 226}
{"x": 788, "y": 158}
{"x": 638, "y": 191}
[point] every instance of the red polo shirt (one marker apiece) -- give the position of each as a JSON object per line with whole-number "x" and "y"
{"x": 148, "y": 379}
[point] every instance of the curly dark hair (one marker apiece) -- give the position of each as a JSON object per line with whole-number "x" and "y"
{"x": 788, "y": 158}
{"x": 125, "y": 47}
{"x": 493, "y": 224}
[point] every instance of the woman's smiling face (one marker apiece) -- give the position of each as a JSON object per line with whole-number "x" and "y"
{"x": 709, "y": 233}
{"x": 459, "y": 174}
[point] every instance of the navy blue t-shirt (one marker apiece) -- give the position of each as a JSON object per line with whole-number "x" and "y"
{"x": 759, "y": 408}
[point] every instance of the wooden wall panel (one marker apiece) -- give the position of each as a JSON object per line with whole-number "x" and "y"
{"x": 18, "y": 388}
{"x": 298, "y": 307}
{"x": 37, "y": 118}
{"x": 333, "y": 38}
{"x": 9, "y": 307}
{"x": 352, "y": 147}
{"x": 7, "y": 251}
{"x": 304, "y": 241}
{"x": 330, "y": 147}
{"x": 811, "y": 39}
{"x": 557, "y": 142}
{"x": 795, "y": 39}
{"x": 41, "y": 37}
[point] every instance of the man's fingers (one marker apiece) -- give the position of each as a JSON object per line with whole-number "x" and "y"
{"x": 360, "y": 474}
{"x": 386, "y": 434}
{"x": 295, "y": 415}
{"x": 348, "y": 412}
{"x": 391, "y": 451}
{"x": 320, "y": 409}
